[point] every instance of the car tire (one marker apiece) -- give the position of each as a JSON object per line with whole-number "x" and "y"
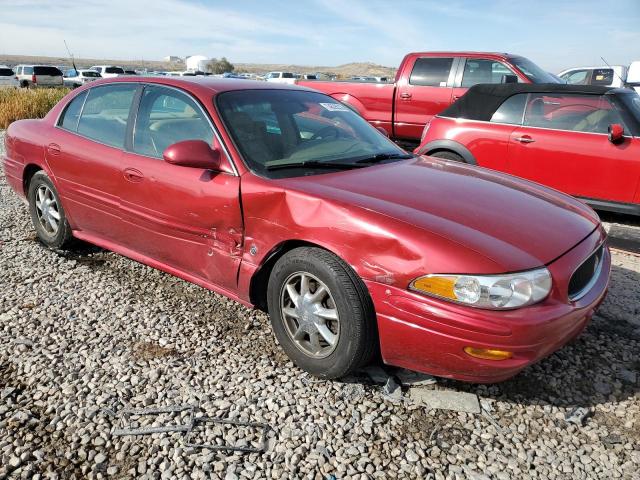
{"x": 447, "y": 155}
{"x": 344, "y": 313}
{"x": 47, "y": 214}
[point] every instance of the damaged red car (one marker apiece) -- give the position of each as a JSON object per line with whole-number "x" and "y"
{"x": 284, "y": 199}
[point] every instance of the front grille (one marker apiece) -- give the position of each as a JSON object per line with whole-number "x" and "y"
{"x": 585, "y": 275}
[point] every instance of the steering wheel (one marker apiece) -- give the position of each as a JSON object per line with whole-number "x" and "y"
{"x": 322, "y": 133}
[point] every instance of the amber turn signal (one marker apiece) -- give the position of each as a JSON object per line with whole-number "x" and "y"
{"x": 488, "y": 353}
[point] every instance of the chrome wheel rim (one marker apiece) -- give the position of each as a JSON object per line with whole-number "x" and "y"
{"x": 47, "y": 210}
{"x": 310, "y": 315}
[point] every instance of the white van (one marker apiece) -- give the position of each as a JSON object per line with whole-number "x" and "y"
{"x": 38, "y": 76}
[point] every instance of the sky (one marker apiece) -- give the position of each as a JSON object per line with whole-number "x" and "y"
{"x": 555, "y": 34}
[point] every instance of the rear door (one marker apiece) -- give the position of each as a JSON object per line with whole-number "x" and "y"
{"x": 186, "y": 218}
{"x": 425, "y": 92}
{"x": 86, "y": 157}
{"x": 564, "y": 144}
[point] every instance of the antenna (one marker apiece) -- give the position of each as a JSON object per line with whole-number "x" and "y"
{"x": 614, "y": 71}
{"x": 73, "y": 62}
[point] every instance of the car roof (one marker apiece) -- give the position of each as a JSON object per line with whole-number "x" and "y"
{"x": 201, "y": 83}
{"x": 481, "y": 101}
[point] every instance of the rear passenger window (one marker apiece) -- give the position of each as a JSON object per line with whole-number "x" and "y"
{"x": 105, "y": 114}
{"x": 165, "y": 117}
{"x": 431, "y": 72}
{"x": 71, "y": 115}
{"x": 511, "y": 110}
{"x": 483, "y": 71}
{"x": 602, "y": 76}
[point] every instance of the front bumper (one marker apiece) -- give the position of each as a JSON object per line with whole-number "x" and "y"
{"x": 428, "y": 335}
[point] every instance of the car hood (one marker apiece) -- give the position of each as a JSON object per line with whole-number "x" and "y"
{"x": 516, "y": 224}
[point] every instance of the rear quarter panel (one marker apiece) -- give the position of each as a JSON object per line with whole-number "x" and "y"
{"x": 487, "y": 142}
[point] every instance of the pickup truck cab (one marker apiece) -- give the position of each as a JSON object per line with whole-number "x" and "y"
{"x": 426, "y": 83}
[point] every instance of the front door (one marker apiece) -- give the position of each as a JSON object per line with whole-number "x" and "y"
{"x": 563, "y": 144}
{"x": 423, "y": 95}
{"x": 186, "y": 218}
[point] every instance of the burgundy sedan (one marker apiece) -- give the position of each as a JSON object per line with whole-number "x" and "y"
{"x": 284, "y": 199}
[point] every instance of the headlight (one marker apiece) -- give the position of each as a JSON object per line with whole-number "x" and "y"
{"x": 488, "y": 291}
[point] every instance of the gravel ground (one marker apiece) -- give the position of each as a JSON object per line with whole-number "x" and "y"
{"x": 87, "y": 334}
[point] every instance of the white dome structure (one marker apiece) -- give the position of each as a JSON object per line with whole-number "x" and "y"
{"x": 197, "y": 63}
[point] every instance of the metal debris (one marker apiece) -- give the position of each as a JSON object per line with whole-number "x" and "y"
{"x": 392, "y": 391}
{"x": 578, "y": 415}
{"x": 415, "y": 379}
{"x": 203, "y": 420}
{"x": 446, "y": 399}
{"x": 128, "y": 412}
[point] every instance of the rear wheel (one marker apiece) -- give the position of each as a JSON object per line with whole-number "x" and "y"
{"x": 321, "y": 313}
{"x": 447, "y": 155}
{"x": 47, "y": 214}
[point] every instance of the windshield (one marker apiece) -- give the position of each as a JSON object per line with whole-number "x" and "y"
{"x": 533, "y": 71}
{"x": 117, "y": 70}
{"x": 282, "y": 132}
{"x": 629, "y": 106}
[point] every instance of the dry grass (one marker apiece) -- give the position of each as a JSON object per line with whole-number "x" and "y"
{"x": 16, "y": 104}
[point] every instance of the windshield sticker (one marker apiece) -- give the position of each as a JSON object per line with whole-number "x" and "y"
{"x": 335, "y": 107}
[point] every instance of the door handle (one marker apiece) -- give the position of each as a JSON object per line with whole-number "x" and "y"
{"x": 524, "y": 139}
{"x": 133, "y": 175}
{"x": 53, "y": 149}
{"x": 405, "y": 95}
{"x": 456, "y": 97}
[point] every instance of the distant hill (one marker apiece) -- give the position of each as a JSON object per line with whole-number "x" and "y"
{"x": 342, "y": 71}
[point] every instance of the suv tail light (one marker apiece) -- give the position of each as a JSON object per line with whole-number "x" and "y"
{"x": 33, "y": 78}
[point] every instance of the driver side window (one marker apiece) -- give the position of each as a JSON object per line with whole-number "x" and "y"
{"x": 165, "y": 117}
{"x": 577, "y": 113}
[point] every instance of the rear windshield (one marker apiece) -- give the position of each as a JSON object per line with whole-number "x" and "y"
{"x": 113, "y": 70}
{"x": 90, "y": 73}
{"x": 50, "y": 71}
{"x": 287, "y": 75}
{"x": 6, "y": 72}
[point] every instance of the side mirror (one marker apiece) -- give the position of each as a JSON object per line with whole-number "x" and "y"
{"x": 616, "y": 133}
{"x": 194, "y": 154}
{"x": 383, "y": 131}
{"x": 509, "y": 78}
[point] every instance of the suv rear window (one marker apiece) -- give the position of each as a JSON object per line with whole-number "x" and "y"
{"x": 431, "y": 72}
{"x": 113, "y": 70}
{"x": 288, "y": 75}
{"x": 6, "y": 72}
{"x": 50, "y": 71}
{"x": 90, "y": 73}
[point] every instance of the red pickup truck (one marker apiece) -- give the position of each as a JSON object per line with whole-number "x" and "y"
{"x": 426, "y": 83}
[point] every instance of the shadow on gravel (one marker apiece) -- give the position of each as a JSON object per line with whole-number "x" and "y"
{"x": 597, "y": 367}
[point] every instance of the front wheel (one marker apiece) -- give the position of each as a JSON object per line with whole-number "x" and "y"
{"x": 321, "y": 313}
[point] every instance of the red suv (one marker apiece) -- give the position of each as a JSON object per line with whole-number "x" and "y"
{"x": 580, "y": 139}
